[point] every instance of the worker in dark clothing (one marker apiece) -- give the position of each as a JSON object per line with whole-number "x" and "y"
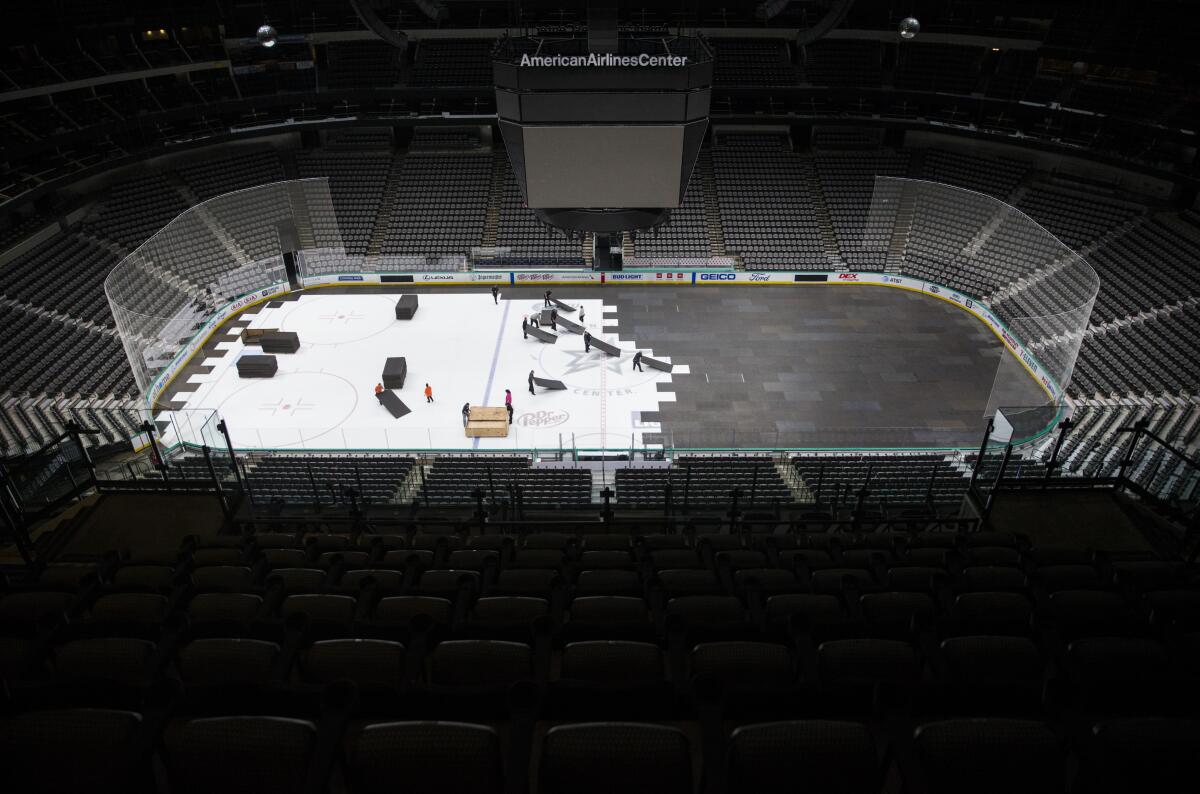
{"x": 554, "y": 319}
{"x": 531, "y": 391}
{"x": 496, "y": 295}
{"x": 547, "y": 296}
{"x": 587, "y": 342}
{"x": 466, "y": 412}
{"x": 637, "y": 361}
{"x": 524, "y": 327}
{"x": 509, "y": 408}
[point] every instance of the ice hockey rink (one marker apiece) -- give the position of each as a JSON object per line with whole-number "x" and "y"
{"x": 466, "y": 347}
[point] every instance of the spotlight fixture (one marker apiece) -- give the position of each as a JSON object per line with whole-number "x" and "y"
{"x": 267, "y": 36}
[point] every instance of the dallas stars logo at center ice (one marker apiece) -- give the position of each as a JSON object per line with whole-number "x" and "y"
{"x": 582, "y": 362}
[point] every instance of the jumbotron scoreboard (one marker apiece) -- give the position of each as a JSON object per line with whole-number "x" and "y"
{"x": 603, "y": 141}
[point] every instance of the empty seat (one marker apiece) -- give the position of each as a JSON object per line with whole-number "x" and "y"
{"x": 384, "y": 580}
{"x": 447, "y": 583}
{"x": 224, "y": 607}
{"x": 473, "y": 559}
{"x": 980, "y": 660}
{"x": 117, "y": 660}
{"x": 814, "y": 610}
{"x": 449, "y": 757}
{"x": 744, "y": 664}
{"x": 221, "y": 661}
{"x": 548, "y": 540}
{"x": 805, "y": 755}
{"x": 1141, "y": 754}
{"x": 612, "y": 582}
{"x": 769, "y": 580}
{"x": 144, "y": 577}
{"x": 297, "y": 580}
{"x": 475, "y": 663}
{"x": 29, "y": 608}
{"x": 365, "y": 662}
{"x": 285, "y": 558}
{"x": 992, "y": 613}
{"x": 989, "y": 756}
{"x": 508, "y": 611}
{"x": 896, "y": 614}
{"x": 606, "y": 560}
{"x": 994, "y": 578}
{"x": 245, "y": 755}
{"x": 223, "y": 578}
{"x": 612, "y": 662}
{"x": 70, "y": 750}
{"x": 605, "y": 757}
{"x": 531, "y": 582}
{"x": 699, "y": 611}
{"x": 598, "y": 542}
{"x": 609, "y": 610}
{"x": 332, "y": 609}
{"x": 678, "y": 582}
{"x": 402, "y": 609}
{"x": 868, "y": 661}
{"x": 834, "y": 581}
{"x": 145, "y": 610}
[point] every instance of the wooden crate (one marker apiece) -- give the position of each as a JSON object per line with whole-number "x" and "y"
{"x": 251, "y": 335}
{"x": 487, "y": 423}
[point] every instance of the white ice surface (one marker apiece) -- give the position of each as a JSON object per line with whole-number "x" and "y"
{"x": 464, "y": 346}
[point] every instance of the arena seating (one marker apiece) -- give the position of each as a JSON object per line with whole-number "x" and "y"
{"x": 454, "y": 480}
{"x": 241, "y": 169}
{"x": 995, "y": 176}
{"x": 77, "y": 288}
{"x": 135, "y": 209}
{"x": 34, "y": 349}
{"x": 704, "y": 481}
{"x": 939, "y": 67}
{"x": 894, "y": 480}
{"x": 359, "y": 64}
{"x": 1149, "y": 267}
{"x": 453, "y": 62}
{"x": 1143, "y": 357}
{"x": 751, "y": 62}
{"x": 838, "y": 62}
{"x": 440, "y": 198}
{"x": 326, "y": 479}
{"x": 1013, "y": 73}
{"x": 847, "y": 183}
{"x": 525, "y": 242}
{"x": 357, "y": 183}
{"x": 656, "y": 658}
{"x": 766, "y": 203}
{"x": 686, "y": 236}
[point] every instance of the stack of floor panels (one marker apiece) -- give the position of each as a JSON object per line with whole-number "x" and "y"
{"x": 406, "y": 307}
{"x": 280, "y": 342}
{"x": 252, "y": 366}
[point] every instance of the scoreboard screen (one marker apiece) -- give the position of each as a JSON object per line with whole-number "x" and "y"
{"x": 603, "y": 166}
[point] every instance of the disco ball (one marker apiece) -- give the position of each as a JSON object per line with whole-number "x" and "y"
{"x": 909, "y": 27}
{"x": 267, "y": 36}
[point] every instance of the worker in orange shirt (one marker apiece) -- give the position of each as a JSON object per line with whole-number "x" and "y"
{"x": 378, "y": 389}
{"x": 428, "y": 393}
